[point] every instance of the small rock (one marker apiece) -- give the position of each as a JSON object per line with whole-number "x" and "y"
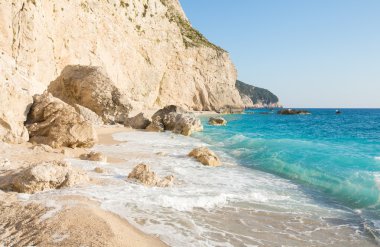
{"x": 99, "y": 170}
{"x": 144, "y": 175}
{"x": 205, "y": 156}
{"x": 166, "y": 181}
{"x": 45, "y": 176}
{"x": 137, "y": 122}
{"x": 217, "y": 121}
{"x": 93, "y": 156}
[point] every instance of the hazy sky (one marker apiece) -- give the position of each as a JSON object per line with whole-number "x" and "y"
{"x": 311, "y": 53}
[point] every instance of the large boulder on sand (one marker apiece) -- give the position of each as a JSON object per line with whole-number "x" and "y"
{"x": 217, "y": 121}
{"x": 205, "y": 156}
{"x": 144, "y": 175}
{"x": 176, "y": 119}
{"x": 137, "y": 122}
{"x": 45, "y": 176}
{"x": 57, "y": 124}
{"x": 90, "y": 86}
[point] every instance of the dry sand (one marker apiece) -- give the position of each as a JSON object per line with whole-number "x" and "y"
{"x": 80, "y": 222}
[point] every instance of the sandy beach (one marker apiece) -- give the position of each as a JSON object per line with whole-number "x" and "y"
{"x": 68, "y": 220}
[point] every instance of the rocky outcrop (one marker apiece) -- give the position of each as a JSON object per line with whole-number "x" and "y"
{"x": 93, "y": 156}
{"x": 175, "y": 119}
{"x": 89, "y": 115}
{"x": 255, "y": 97}
{"x": 217, "y": 121}
{"x": 137, "y": 122}
{"x": 144, "y": 175}
{"x": 90, "y": 87}
{"x": 148, "y": 48}
{"x": 45, "y": 176}
{"x": 57, "y": 124}
{"x": 16, "y": 97}
{"x": 293, "y": 112}
{"x": 205, "y": 156}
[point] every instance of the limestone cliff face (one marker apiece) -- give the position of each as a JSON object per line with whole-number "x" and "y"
{"x": 147, "y": 47}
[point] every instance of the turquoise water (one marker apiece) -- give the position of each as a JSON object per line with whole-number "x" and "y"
{"x": 336, "y": 155}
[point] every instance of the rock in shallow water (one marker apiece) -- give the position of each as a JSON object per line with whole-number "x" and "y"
{"x": 176, "y": 119}
{"x": 45, "y": 176}
{"x": 144, "y": 175}
{"x": 93, "y": 156}
{"x": 293, "y": 112}
{"x": 57, "y": 124}
{"x": 205, "y": 156}
{"x": 217, "y": 121}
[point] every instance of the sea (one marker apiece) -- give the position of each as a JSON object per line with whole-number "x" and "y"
{"x": 286, "y": 180}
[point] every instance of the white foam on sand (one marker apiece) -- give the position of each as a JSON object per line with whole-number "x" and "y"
{"x": 178, "y": 214}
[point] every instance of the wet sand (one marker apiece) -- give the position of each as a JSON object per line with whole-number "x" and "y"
{"x": 78, "y": 221}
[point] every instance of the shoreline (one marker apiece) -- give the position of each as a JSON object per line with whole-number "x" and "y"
{"x": 63, "y": 220}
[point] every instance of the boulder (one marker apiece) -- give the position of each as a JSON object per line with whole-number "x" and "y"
{"x": 45, "y": 176}
{"x": 93, "y": 156}
{"x": 144, "y": 175}
{"x": 175, "y": 119}
{"x": 89, "y": 115}
{"x": 205, "y": 156}
{"x": 137, "y": 122}
{"x": 90, "y": 86}
{"x": 293, "y": 112}
{"x": 217, "y": 121}
{"x": 57, "y": 124}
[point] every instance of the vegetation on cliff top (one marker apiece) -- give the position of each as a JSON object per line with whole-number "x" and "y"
{"x": 191, "y": 36}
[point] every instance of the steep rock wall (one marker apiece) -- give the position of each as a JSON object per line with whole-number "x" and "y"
{"x": 147, "y": 47}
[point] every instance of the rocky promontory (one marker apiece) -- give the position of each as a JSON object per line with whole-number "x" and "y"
{"x": 255, "y": 97}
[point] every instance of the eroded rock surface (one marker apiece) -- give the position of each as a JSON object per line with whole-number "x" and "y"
{"x": 90, "y": 86}
{"x": 144, "y": 175}
{"x": 205, "y": 156}
{"x": 217, "y": 121}
{"x": 175, "y": 119}
{"x": 137, "y": 122}
{"x": 45, "y": 176}
{"x": 89, "y": 115}
{"x": 57, "y": 124}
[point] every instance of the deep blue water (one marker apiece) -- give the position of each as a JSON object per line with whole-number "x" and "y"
{"x": 338, "y": 155}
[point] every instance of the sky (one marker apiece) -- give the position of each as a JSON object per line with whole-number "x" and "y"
{"x": 310, "y": 53}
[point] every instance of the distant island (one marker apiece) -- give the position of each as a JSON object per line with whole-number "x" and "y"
{"x": 256, "y": 97}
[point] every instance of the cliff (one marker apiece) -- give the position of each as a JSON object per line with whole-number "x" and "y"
{"x": 255, "y": 97}
{"x": 147, "y": 47}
